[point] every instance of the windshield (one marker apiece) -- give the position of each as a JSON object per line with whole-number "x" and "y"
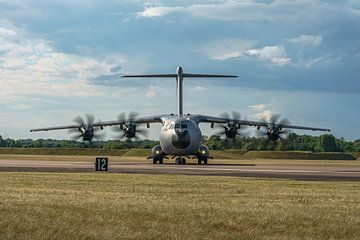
{"x": 181, "y": 124}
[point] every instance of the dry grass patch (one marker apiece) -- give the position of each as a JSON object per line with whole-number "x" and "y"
{"x": 121, "y": 206}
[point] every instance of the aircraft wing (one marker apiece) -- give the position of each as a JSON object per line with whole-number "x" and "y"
{"x": 140, "y": 120}
{"x": 54, "y": 128}
{"x": 212, "y": 120}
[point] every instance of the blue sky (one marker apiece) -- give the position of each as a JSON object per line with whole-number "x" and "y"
{"x": 59, "y": 59}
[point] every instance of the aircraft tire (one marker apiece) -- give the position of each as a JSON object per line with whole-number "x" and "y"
{"x": 183, "y": 161}
{"x": 154, "y": 161}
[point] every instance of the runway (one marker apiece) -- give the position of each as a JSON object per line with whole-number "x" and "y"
{"x": 259, "y": 170}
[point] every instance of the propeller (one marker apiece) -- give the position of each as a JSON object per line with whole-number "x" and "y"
{"x": 231, "y": 129}
{"x": 86, "y": 129}
{"x": 128, "y": 127}
{"x": 274, "y": 130}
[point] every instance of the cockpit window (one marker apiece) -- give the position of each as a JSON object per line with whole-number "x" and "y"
{"x": 181, "y": 124}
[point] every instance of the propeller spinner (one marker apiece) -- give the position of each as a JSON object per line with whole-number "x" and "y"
{"x": 231, "y": 129}
{"x": 128, "y": 128}
{"x": 86, "y": 129}
{"x": 274, "y": 130}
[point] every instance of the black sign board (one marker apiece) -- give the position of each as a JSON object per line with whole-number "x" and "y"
{"x": 101, "y": 164}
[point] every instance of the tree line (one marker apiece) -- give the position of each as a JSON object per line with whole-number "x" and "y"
{"x": 294, "y": 142}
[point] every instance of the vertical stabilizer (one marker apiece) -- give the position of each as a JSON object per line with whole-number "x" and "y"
{"x": 179, "y": 90}
{"x": 180, "y": 75}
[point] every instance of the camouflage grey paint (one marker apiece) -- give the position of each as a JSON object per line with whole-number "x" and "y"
{"x": 180, "y": 141}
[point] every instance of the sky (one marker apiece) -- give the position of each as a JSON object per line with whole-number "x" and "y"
{"x": 60, "y": 59}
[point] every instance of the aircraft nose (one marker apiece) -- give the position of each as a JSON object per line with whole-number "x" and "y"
{"x": 181, "y": 139}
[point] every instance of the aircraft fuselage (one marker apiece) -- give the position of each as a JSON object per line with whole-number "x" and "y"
{"x": 180, "y": 136}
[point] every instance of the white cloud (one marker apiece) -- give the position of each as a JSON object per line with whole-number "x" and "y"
{"x": 307, "y": 63}
{"x": 265, "y": 115}
{"x": 274, "y": 54}
{"x": 33, "y": 67}
{"x": 238, "y": 48}
{"x": 150, "y": 92}
{"x": 7, "y": 32}
{"x": 223, "y": 49}
{"x": 230, "y": 10}
{"x": 258, "y": 107}
{"x": 158, "y": 11}
{"x": 314, "y": 40}
{"x": 199, "y": 88}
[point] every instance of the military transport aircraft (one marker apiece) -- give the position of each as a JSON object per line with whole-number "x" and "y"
{"x": 180, "y": 135}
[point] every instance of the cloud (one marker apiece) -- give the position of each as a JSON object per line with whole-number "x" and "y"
{"x": 7, "y": 32}
{"x": 223, "y": 49}
{"x": 307, "y": 63}
{"x": 199, "y": 88}
{"x": 314, "y": 40}
{"x": 274, "y": 54}
{"x": 272, "y": 11}
{"x": 265, "y": 115}
{"x": 151, "y": 92}
{"x": 31, "y": 66}
{"x": 258, "y": 107}
{"x": 158, "y": 11}
{"x": 238, "y": 48}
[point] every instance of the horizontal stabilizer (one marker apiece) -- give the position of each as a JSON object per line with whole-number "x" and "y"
{"x": 191, "y": 75}
{"x": 153, "y": 76}
{"x": 185, "y": 75}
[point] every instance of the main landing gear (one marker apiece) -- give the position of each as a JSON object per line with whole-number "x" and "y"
{"x": 158, "y": 160}
{"x": 202, "y": 160}
{"x": 180, "y": 160}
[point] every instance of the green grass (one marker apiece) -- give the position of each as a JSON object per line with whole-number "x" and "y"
{"x": 63, "y": 151}
{"x": 299, "y": 155}
{"x": 137, "y": 152}
{"x": 356, "y": 154}
{"x": 121, "y": 206}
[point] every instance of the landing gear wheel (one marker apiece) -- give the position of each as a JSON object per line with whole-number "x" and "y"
{"x": 154, "y": 161}
{"x": 177, "y": 161}
{"x": 202, "y": 160}
{"x": 183, "y": 161}
{"x": 161, "y": 161}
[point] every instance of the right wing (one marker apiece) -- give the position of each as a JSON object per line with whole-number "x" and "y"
{"x": 212, "y": 120}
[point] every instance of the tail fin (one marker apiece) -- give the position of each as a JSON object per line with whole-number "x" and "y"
{"x": 180, "y": 75}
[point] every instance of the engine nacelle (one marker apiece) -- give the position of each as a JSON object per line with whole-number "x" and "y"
{"x": 129, "y": 129}
{"x": 157, "y": 153}
{"x": 231, "y": 130}
{"x": 203, "y": 152}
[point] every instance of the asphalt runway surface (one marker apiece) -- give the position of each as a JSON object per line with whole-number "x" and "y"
{"x": 261, "y": 170}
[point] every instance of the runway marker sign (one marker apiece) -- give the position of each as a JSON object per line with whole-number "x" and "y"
{"x": 101, "y": 164}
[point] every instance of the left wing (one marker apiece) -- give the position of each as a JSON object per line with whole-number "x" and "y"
{"x": 140, "y": 120}
{"x": 212, "y": 120}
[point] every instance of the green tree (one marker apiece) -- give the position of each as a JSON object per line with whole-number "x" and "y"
{"x": 327, "y": 143}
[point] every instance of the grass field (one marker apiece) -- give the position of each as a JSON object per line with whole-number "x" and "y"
{"x": 217, "y": 154}
{"x": 121, "y": 206}
{"x": 299, "y": 155}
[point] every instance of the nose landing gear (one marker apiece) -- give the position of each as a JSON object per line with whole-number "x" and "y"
{"x": 180, "y": 161}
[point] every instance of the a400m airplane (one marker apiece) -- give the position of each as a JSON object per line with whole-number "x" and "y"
{"x": 180, "y": 135}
